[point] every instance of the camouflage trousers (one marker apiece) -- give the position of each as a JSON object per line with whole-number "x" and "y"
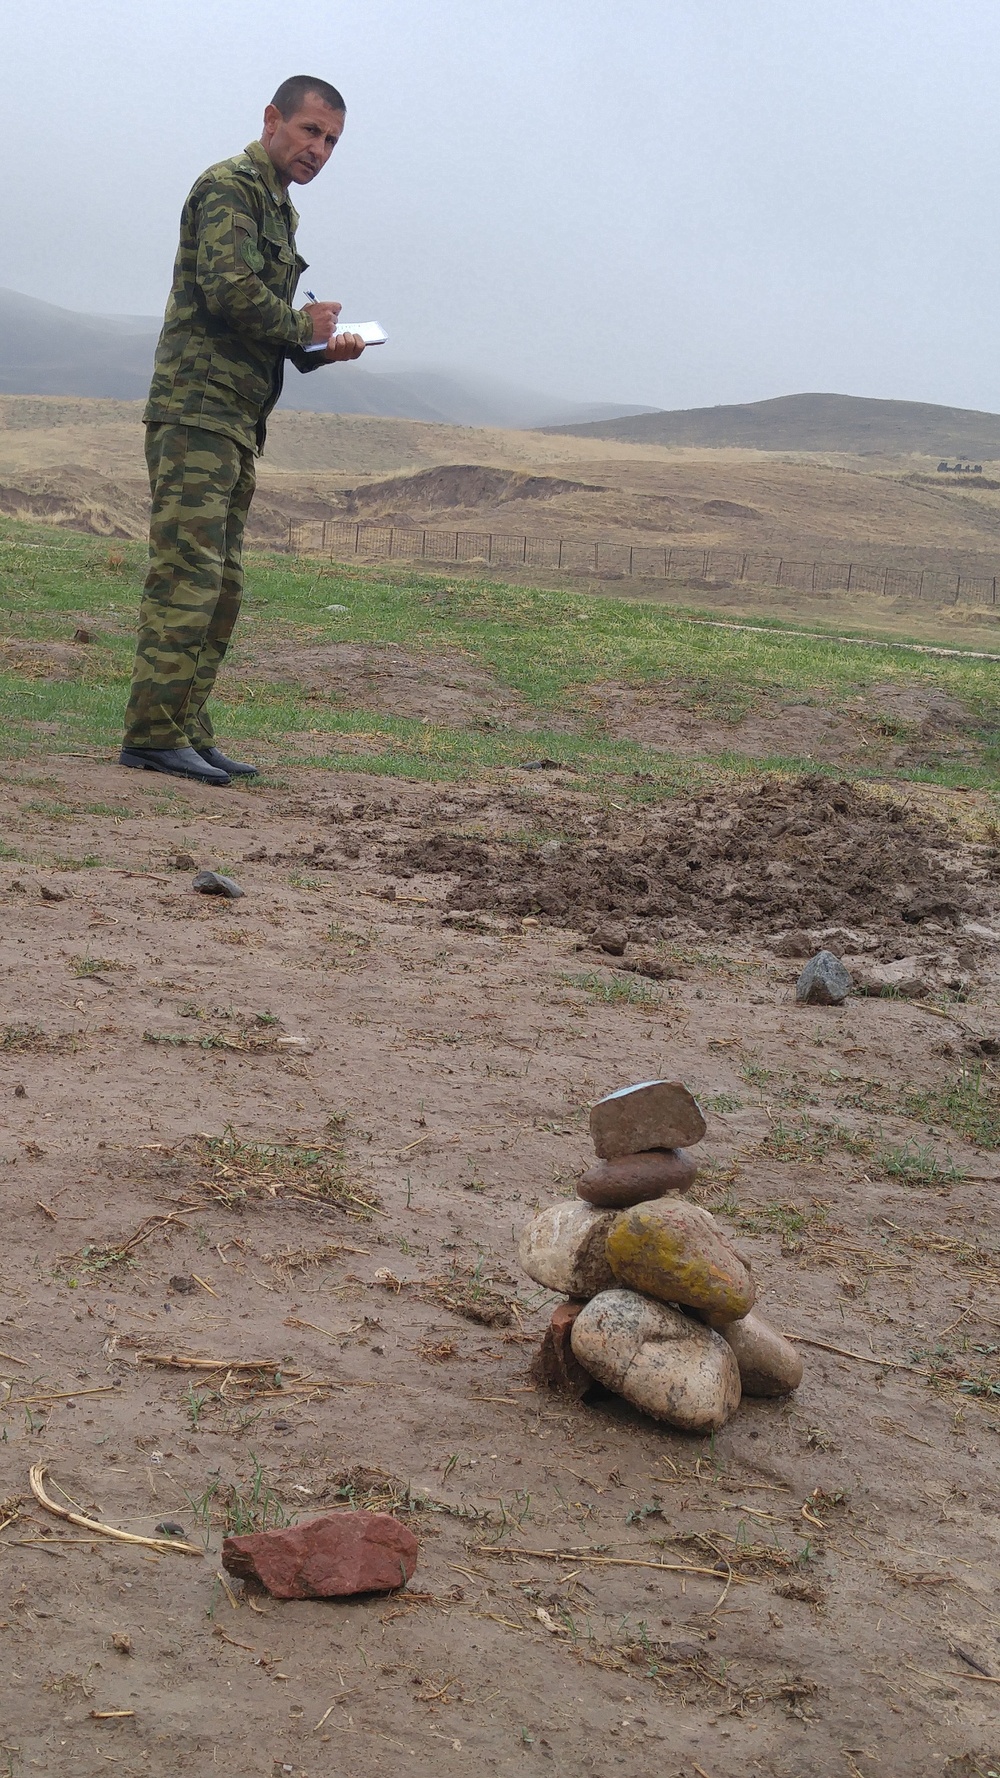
{"x": 201, "y": 485}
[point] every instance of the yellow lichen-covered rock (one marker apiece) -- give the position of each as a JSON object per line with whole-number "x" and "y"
{"x": 671, "y": 1367}
{"x": 675, "y": 1251}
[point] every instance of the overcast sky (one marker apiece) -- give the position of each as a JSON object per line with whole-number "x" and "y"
{"x": 678, "y": 202}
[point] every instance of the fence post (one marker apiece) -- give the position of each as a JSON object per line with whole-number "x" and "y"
{"x": 920, "y": 584}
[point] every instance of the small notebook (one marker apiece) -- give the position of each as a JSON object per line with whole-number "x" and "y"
{"x": 370, "y": 332}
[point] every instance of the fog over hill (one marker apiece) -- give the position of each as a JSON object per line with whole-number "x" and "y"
{"x": 45, "y": 350}
{"x": 851, "y": 423}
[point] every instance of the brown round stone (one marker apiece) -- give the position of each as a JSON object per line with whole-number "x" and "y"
{"x": 634, "y": 1178}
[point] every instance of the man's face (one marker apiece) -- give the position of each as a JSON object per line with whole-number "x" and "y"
{"x": 301, "y": 145}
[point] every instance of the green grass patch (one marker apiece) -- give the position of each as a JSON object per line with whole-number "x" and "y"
{"x": 722, "y": 1102}
{"x": 811, "y": 1142}
{"x": 616, "y": 990}
{"x": 787, "y": 1220}
{"x": 970, "y": 1105}
{"x": 550, "y": 648}
{"x": 914, "y": 1163}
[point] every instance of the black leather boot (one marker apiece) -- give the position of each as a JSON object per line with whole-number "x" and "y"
{"x": 177, "y": 762}
{"x": 213, "y": 757}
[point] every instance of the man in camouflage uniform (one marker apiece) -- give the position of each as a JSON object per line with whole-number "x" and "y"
{"x": 228, "y": 328}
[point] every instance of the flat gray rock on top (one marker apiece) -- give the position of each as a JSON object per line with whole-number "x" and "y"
{"x": 208, "y": 882}
{"x": 651, "y": 1114}
{"x": 824, "y": 981}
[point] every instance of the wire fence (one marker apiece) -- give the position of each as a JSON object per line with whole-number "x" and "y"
{"x": 342, "y": 540}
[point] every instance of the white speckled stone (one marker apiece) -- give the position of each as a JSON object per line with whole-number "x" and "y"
{"x": 564, "y": 1248}
{"x": 769, "y": 1364}
{"x": 671, "y": 1367}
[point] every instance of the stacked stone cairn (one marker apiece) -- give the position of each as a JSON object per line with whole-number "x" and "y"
{"x": 660, "y": 1305}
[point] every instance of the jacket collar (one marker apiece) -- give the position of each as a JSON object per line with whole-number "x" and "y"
{"x": 267, "y": 174}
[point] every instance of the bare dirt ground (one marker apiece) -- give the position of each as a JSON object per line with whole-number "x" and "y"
{"x": 322, "y": 1112}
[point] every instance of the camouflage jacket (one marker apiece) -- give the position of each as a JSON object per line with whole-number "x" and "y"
{"x": 229, "y": 324}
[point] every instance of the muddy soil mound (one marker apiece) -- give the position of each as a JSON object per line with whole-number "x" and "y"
{"x": 65, "y": 495}
{"x": 459, "y": 484}
{"x": 776, "y": 855}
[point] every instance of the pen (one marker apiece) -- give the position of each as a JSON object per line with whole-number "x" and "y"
{"x": 312, "y": 297}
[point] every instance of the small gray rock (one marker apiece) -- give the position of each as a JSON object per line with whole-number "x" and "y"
{"x": 208, "y": 882}
{"x": 824, "y": 981}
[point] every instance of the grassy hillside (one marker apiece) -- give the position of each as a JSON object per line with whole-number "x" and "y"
{"x": 814, "y": 423}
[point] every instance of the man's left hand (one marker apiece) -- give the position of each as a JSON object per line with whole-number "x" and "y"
{"x": 343, "y": 347}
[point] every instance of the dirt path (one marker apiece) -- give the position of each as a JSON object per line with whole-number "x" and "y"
{"x": 811, "y": 1593}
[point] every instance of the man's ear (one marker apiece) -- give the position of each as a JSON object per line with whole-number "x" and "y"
{"x": 272, "y": 118}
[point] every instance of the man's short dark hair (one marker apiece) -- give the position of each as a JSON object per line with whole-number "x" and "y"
{"x": 291, "y": 94}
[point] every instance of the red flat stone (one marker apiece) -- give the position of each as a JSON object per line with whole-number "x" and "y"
{"x": 326, "y": 1558}
{"x": 634, "y": 1178}
{"x": 554, "y": 1363}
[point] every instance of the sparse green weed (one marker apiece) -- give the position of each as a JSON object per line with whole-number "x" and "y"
{"x": 616, "y": 990}
{"x": 913, "y": 1163}
{"x": 970, "y": 1105}
{"x": 84, "y": 966}
{"x": 722, "y": 1102}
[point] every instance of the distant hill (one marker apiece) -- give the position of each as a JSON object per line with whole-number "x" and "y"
{"x": 813, "y": 423}
{"x": 49, "y": 351}
{"x": 46, "y": 350}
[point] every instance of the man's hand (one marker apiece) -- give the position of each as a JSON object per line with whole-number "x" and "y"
{"x": 342, "y": 349}
{"x": 324, "y": 320}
